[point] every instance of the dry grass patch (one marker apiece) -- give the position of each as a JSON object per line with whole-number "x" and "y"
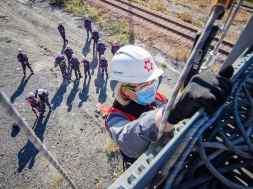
{"x": 187, "y": 17}
{"x": 179, "y": 54}
{"x": 111, "y": 149}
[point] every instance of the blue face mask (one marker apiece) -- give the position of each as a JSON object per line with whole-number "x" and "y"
{"x": 147, "y": 94}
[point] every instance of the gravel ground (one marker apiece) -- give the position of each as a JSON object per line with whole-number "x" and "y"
{"x": 73, "y": 133}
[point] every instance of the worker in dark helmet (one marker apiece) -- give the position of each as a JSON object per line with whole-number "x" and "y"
{"x": 23, "y": 59}
{"x": 75, "y": 64}
{"x": 115, "y": 47}
{"x": 86, "y": 65}
{"x": 103, "y": 65}
{"x": 61, "y": 62}
{"x": 95, "y": 37}
{"x": 61, "y": 29}
{"x": 44, "y": 99}
{"x": 100, "y": 48}
{"x": 35, "y": 104}
{"x": 87, "y": 24}
{"x": 134, "y": 120}
{"x": 68, "y": 52}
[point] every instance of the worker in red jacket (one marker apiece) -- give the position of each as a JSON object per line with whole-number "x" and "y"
{"x": 44, "y": 98}
{"x": 115, "y": 47}
{"x": 87, "y": 24}
{"x": 103, "y": 65}
{"x": 100, "y": 48}
{"x": 68, "y": 52}
{"x": 95, "y": 37}
{"x": 23, "y": 59}
{"x": 35, "y": 104}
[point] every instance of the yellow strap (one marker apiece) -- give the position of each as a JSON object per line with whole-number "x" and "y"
{"x": 226, "y": 4}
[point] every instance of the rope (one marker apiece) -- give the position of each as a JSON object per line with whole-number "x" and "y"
{"x": 32, "y": 137}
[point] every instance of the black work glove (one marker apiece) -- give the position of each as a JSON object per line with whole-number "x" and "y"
{"x": 204, "y": 90}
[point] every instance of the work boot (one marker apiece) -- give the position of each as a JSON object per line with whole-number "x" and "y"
{"x": 80, "y": 75}
{"x": 50, "y": 109}
{"x": 32, "y": 72}
{"x": 24, "y": 75}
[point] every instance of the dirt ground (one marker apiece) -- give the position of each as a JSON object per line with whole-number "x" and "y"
{"x": 72, "y": 132}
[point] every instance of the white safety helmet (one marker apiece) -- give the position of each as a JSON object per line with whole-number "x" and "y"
{"x": 59, "y": 22}
{"x": 40, "y": 91}
{"x": 19, "y": 49}
{"x": 31, "y": 94}
{"x": 95, "y": 29}
{"x": 87, "y": 16}
{"x": 67, "y": 46}
{"x": 103, "y": 57}
{"x": 115, "y": 42}
{"x": 133, "y": 64}
{"x": 73, "y": 56}
{"x": 83, "y": 58}
{"x": 59, "y": 54}
{"x": 99, "y": 40}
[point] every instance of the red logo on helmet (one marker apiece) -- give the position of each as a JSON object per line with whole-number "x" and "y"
{"x": 148, "y": 65}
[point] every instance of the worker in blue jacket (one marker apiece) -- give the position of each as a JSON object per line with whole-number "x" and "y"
{"x": 75, "y": 64}
{"x": 61, "y": 30}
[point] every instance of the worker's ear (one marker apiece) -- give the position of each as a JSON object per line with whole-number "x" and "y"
{"x": 124, "y": 90}
{"x": 127, "y": 92}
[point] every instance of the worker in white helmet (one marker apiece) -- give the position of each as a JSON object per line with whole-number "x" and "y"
{"x": 95, "y": 37}
{"x": 103, "y": 65}
{"x": 23, "y": 59}
{"x": 61, "y": 62}
{"x": 61, "y": 30}
{"x": 87, "y": 25}
{"x": 115, "y": 47}
{"x": 75, "y": 65}
{"x": 135, "y": 117}
{"x": 68, "y": 52}
{"x": 86, "y": 65}
{"x": 100, "y": 48}
{"x": 35, "y": 104}
{"x": 44, "y": 98}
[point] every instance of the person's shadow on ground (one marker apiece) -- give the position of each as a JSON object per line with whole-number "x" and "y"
{"x": 63, "y": 48}
{"x": 113, "y": 84}
{"x": 20, "y": 88}
{"x": 94, "y": 62}
{"x": 98, "y": 81}
{"x": 83, "y": 95}
{"x": 28, "y": 153}
{"x": 58, "y": 97}
{"x": 86, "y": 48}
{"x": 72, "y": 94}
{"x": 69, "y": 73}
{"x": 102, "y": 95}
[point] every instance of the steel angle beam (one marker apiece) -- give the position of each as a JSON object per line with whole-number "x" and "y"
{"x": 244, "y": 41}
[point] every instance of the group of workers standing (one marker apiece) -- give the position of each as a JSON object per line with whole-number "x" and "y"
{"x": 134, "y": 118}
{"x": 38, "y": 99}
{"x": 73, "y": 62}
